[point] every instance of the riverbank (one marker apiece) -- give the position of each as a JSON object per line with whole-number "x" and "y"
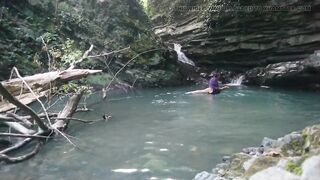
{"x": 295, "y": 156}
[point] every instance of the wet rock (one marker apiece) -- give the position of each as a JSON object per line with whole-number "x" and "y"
{"x": 248, "y": 163}
{"x": 312, "y": 137}
{"x": 311, "y": 169}
{"x": 253, "y": 150}
{"x": 269, "y": 143}
{"x": 235, "y": 168}
{"x": 292, "y": 144}
{"x": 207, "y": 176}
{"x": 260, "y": 163}
{"x": 274, "y": 173}
{"x": 226, "y": 158}
{"x": 222, "y": 165}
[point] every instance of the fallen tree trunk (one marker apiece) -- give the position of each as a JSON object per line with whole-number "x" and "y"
{"x": 17, "y": 93}
{"x": 70, "y": 108}
{"x": 60, "y": 123}
{"x": 23, "y": 107}
{"x": 40, "y": 84}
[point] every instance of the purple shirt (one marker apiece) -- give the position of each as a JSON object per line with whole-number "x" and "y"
{"x": 213, "y": 83}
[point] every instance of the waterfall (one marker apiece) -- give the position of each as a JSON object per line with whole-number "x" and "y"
{"x": 236, "y": 81}
{"x": 181, "y": 56}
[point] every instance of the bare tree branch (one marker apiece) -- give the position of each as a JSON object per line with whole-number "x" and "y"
{"x": 104, "y": 96}
{"x": 81, "y": 120}
{"x": 20, "y": 119}
{"x": 109, "y": 53}
{"x": 42, "y": 125}
{"x": 19, "y": 127}
{"x": 11, "y": 160}
{"x": 84, "y": 56}
{"x": 18, "y": 145}
{"x": 47, "y": 51}
{"x": 23, "y": 107}
{"x": 22, "y": 135}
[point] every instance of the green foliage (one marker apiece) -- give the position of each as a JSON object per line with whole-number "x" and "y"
{"x": 75, "y": 88}
{"x": 147, "y": 8}
{"x": 294, "y": 168}
{"x": 68, "y": 28}
{"x": 100, "y": 80}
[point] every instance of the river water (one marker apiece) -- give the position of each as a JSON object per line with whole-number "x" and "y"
{"x": 165, "y": 134}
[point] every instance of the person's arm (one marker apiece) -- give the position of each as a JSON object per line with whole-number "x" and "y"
{"x": 224, "y": 87}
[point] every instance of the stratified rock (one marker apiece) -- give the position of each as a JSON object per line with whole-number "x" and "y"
{"x": 274, "y": 173}
{"x": 311, "y": 169}
{"x": 215, "y": 34}
{"x": 302, "y": 73}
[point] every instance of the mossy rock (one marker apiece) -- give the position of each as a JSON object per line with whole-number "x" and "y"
{"x": 260, "y": 164}
{"x": 293, "y": 144}
{"x": 294, "y": 168}
{"x": 236, "y": 168}
{"x": 312, "y": 137}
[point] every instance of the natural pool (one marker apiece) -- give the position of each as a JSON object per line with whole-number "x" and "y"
{"x": 165, "y": 134}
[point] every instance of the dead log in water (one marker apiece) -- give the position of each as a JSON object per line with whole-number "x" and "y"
{"x": 40, "y": 84}
{"x": 34, "y": 129}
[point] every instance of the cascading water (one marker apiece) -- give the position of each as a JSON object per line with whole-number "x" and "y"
{"x": 181, "y": 56}
{"x": 236, "y": 81}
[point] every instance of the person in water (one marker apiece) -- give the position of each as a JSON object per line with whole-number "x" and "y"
{"x": 213, "y": 86}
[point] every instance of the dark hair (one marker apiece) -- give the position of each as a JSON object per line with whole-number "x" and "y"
{"x": 214, "y": 74}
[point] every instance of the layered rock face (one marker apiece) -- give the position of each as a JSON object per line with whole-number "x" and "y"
{"x": 240, "y": 35}
{"x": 300, "y": 74}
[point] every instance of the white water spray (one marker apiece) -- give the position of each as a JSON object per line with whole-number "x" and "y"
{"x": 181, "y": 56}
{"x": 236, "y": 81}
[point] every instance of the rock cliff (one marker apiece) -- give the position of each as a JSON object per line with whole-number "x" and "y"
{"x": 240, "y": 35}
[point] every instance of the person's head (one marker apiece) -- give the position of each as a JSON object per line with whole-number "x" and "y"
{"x": 214, "y": 75}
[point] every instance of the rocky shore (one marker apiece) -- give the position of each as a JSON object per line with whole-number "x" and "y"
{"x": 295, "y": 156}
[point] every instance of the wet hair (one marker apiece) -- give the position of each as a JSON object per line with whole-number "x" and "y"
{"x": 214, "y": 74}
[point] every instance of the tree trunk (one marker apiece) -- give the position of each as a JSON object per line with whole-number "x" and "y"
{"x": 40, "y": 84}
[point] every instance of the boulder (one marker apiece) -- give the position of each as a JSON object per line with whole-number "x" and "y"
{"x": 274, "y": 173}
{"x": 311, "y": 169}
{"x": 207, "y": 176}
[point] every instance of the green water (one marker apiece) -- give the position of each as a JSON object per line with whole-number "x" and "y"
{"x": 164, "y": 134}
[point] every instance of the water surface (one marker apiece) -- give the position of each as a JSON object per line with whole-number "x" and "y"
{"x": 164, "y": 134}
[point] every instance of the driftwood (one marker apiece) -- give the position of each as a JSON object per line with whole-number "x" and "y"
{"x": 33, "y": 127}
{"x": 23, "y": 107}
{"x": 60, "y": 123}
{"x": 40, "y": 84}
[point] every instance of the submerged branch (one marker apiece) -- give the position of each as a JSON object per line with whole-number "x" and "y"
{"x": 10, "y": 160}
{"x": 22, "y": 135}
